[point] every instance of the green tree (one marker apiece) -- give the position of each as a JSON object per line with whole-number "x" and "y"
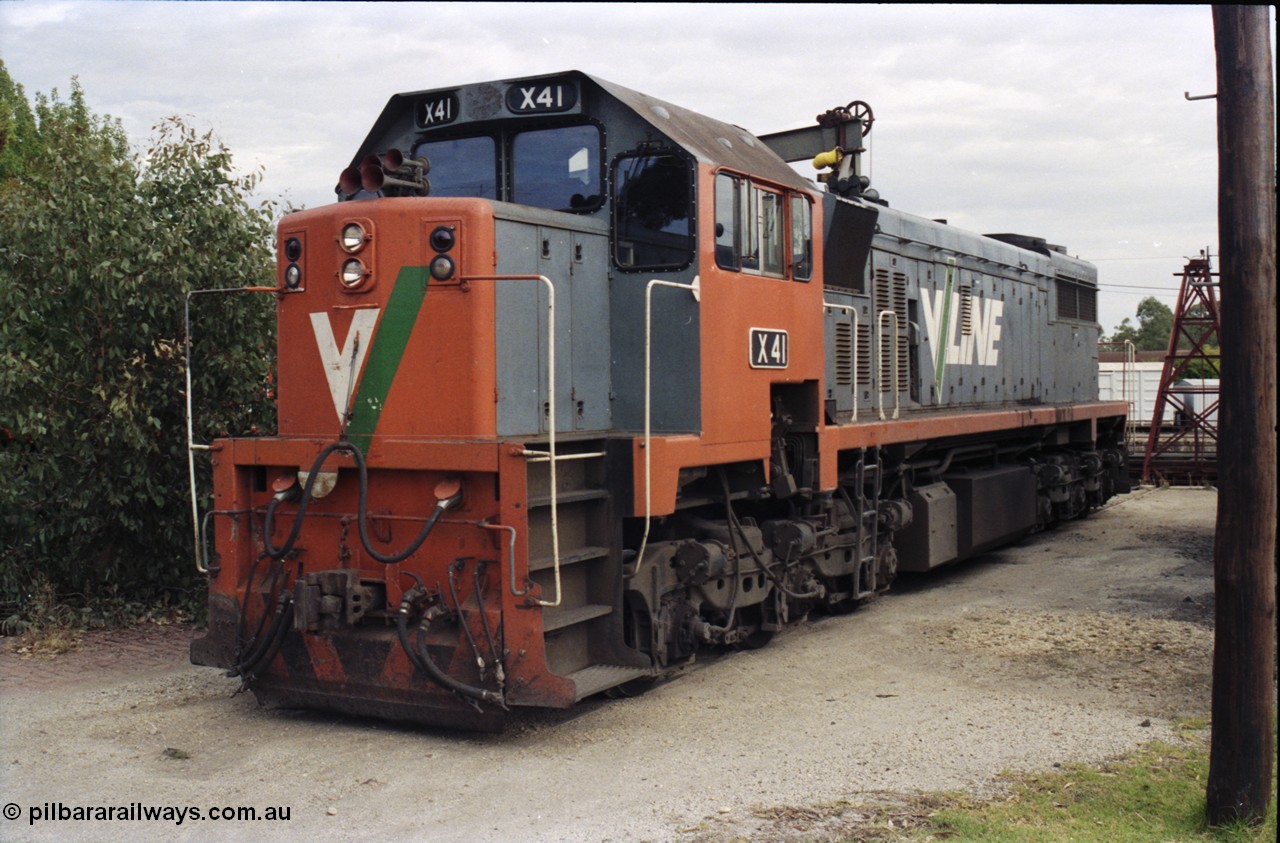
{"x": 1155, "y": 326}
{"x": 18, "y": 138}
{"x": 98, "y": 249}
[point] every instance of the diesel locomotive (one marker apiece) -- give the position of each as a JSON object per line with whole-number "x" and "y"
{"x": 574, "y": 382}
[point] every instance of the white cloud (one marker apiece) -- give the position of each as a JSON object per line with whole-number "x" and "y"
{"x": 1067, "y": 122}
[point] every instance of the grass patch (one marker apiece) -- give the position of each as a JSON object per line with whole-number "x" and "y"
{"x": 1156, "y": 794}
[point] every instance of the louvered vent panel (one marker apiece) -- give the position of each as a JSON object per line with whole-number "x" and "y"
{"x": 904, "y": 340}
{"x": 1067, "y": 308}
{"x": 863, "y": 362}
{"x": 891, "y": 294}
{"x": 1088, "y": 304}
{"x": 844, "y": 354}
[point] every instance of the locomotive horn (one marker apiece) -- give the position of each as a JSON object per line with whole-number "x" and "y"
{"x": 393, "y": 159}
{"x": 349, "y": 182}
{"x": 373, "y": 179}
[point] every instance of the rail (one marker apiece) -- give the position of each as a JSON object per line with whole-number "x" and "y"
{"x": 192, "y": 446}
{"x": 545, "y": 456}
{"x": 854, "y": 311}
{"x": 1130, "y": 388}
{"x": 1126, "y": 374}
{"x": 696, "y": 289}
{"x": 549, "y": 456}
{"x": 511, "y": 552}
{"x": 894, "y": 373}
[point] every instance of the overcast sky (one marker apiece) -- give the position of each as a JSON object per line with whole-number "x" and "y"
{"x": 1064, "y": 122}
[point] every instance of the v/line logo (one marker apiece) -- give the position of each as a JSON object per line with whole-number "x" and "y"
{"x": 979, "y": 345}
{"x": 342, "y": 365}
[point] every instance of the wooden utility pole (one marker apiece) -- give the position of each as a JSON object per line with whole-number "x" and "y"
{"x": 1244, "y": 551}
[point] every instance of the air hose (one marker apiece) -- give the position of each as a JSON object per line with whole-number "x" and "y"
{"x": 362, "y": 521}
{"x": 267, "y": 646}
{"x": 420, "y": 657}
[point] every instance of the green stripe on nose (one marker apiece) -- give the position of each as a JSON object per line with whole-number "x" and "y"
{"x": 389, "y": 341}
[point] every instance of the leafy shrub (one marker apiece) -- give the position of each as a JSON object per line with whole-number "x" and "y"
{"x": 98, "y": 249}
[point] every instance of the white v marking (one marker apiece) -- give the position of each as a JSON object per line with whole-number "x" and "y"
{"x": 342, "y": 365}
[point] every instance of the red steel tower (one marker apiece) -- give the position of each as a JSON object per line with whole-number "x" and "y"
{"x": 1183, "y": 443}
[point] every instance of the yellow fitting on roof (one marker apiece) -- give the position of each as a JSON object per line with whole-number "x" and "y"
{"x": 827, "y": 159}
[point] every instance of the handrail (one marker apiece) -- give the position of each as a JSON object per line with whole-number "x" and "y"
{"x": 545, "y": 456}
{"x": 201, "y": 564}
{"x": 511, "y": 553}
{"x": 1129, "y": 372}
{"x": 1130, "y": 386}
{"x": 551, "y": 424}
{"x": 850, "y": 309}
{"x": 893, "y": 363}
{"x": 696, "y": 289}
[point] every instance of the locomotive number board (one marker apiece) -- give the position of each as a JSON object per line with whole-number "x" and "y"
{"x": 768, "y": 348}
{"x": 541, "y": 97}
{"x": 437, "y": 110}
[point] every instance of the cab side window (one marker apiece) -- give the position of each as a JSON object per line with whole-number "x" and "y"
{"x": 769, "y": 226}
{"x": 653, "y": 211}
{"x": 752, "y": 227}
{"x": 801, "y": 238}
{"x": 728, "y": 222}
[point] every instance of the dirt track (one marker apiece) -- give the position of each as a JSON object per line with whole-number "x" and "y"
{"x": 1077, "y": 645}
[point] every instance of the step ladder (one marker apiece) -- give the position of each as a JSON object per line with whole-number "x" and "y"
{"x": 581, "y": 633}
{"x": 868, "y": 513}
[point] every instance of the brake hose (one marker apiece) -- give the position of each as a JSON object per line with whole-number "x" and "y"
{"x": 420, "y": 657}
{"x": 363, "y": 513}
{"x": 267, "y": 646}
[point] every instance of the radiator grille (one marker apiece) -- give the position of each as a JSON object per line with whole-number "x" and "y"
{"x": 891, "y": 294}
{"x": 1077, "y": 301}
{"x": 844, "y": 354}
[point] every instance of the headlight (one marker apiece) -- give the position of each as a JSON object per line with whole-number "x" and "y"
{"x": 293, "y": 276}
{"x": 442, "y": 268}
{"x": 353, "y": 237}
{"x": 293, "y": 249}
{"x": 353, "y": 273}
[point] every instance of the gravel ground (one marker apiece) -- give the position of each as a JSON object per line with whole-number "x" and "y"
{"x": 1075, "y": 646}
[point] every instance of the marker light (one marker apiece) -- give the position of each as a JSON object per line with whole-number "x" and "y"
{"x": 442, "y": 268}
{"x": 442, "y": 238}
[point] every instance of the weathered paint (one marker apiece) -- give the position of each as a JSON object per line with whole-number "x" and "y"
{"x": 387, "y": 351}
